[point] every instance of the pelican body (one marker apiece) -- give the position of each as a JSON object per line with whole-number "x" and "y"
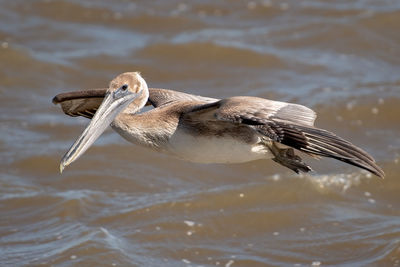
{"x": 206, "y": 130}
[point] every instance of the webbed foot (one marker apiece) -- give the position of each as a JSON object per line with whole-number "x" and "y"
{"x": 287, "y": 158}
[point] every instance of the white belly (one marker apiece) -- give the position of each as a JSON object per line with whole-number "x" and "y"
{"x": 215, "y": 149}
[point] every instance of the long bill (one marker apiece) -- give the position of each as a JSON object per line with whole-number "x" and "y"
{"x": 106, "y": 113}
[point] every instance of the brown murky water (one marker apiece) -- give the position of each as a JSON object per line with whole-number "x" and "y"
{"x": 122, "y": 205}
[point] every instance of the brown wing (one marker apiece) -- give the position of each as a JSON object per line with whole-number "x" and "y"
{"x": 85, "y": 103}
{"x": 254, "y": 111}
{"x": 159, "y": 97}
{"x": 81, "y": 103}
{"x": 288, "y": 124}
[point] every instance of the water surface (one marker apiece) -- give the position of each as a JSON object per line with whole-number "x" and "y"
{"x": 122, "y": 205}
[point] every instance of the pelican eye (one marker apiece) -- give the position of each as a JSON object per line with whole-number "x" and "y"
{"x": 124, "y": 87}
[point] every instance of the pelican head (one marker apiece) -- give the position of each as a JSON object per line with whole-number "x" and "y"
{"x": 127, "y": 92}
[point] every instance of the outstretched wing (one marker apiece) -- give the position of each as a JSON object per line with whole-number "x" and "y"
{"x": 81, "y": 103}
{"x": 85, "y": 103}
{"x": 254, "y": 111}
{"x": 288, "y": 124}
{"x": 159, "y": 97}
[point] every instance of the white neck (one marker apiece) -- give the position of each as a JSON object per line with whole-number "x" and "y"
{"x": 140, "y": 101}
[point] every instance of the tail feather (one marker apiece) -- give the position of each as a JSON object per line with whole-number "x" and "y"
{"x": 320, "y": 142}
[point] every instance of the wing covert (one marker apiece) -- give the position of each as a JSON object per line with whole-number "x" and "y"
{"x": 255, "y": 111}
{"x": 159, "y": 97}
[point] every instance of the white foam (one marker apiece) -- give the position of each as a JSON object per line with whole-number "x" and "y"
{"x": 189, "y": 223}
{"x": 336, "y": 181}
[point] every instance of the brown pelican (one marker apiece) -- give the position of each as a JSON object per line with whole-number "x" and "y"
{"x": 207, "y": 130}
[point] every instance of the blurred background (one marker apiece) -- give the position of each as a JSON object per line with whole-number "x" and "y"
{"x": 122, "y": 205}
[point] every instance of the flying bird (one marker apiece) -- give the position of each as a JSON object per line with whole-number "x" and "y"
{"x": 206, "y": 130}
